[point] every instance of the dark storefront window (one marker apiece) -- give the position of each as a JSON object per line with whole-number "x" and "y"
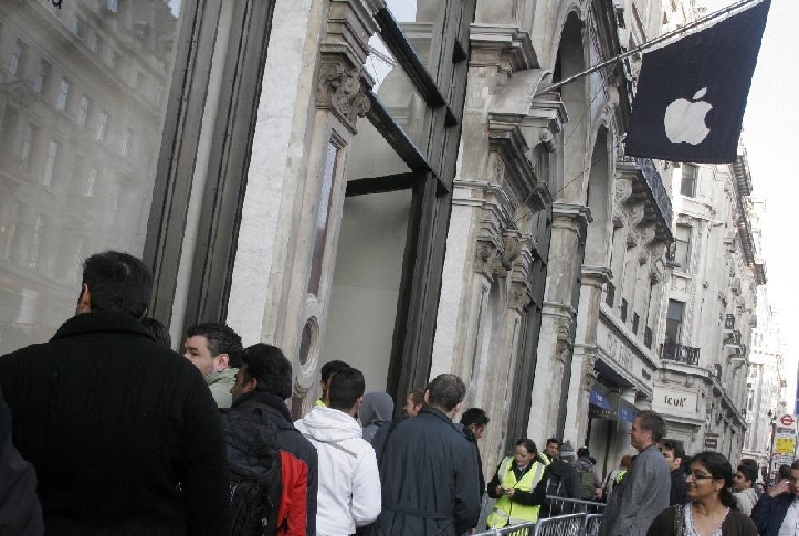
{"x": 81, "y": 136}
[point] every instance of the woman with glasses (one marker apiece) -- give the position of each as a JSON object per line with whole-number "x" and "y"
{"x": 711, "y": 510}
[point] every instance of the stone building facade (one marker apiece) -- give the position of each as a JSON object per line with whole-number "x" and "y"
{"x": 714, "y": 270}
{"x": 765, "y": 384}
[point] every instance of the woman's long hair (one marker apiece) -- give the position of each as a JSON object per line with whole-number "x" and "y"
{"x": 718, "y": 466}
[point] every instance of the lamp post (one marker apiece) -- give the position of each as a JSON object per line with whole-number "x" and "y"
{"x": 773, "y": 421}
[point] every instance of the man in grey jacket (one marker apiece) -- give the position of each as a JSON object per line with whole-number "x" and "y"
{"x": 644, "y": 491}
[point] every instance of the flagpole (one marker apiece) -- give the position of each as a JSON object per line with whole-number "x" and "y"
{"x": 649, "y": 44}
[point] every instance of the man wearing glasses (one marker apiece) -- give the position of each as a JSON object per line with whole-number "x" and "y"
{"x": 644, "y": 491}
{"x": 777, "y": 511}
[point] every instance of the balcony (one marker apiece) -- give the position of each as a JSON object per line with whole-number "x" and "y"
{"x": 648, "y": 187}
{"x": 680, "y": 353}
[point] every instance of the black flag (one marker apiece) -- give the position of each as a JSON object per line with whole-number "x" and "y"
{"x": 692, "y": 93}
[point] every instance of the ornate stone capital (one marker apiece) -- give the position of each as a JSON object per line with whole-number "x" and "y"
{"x": 519, "y": 296}
{"x": 485, "y": 256}
{"x": 339, "y": 90}
{"x": 623, "y": 191}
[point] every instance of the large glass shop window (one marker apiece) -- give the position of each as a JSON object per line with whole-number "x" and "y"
{"x": 83, "y": 91}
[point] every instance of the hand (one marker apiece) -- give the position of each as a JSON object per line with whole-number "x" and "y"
{"x": 510, "y": 492}
{"x": 783, "y": 486}
{"x": 500, "y": 490}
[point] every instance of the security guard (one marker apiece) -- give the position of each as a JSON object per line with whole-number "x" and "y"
{"x": 513, "y": 486}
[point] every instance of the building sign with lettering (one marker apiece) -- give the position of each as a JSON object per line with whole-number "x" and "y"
{"x": 672, "y": 401}
{"x": 624, "y": 357}
{"x": 711, "y": 441}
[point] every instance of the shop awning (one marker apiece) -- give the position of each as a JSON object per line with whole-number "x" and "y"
{"x": 626, "y": 411}
{"x": 599, "y": 399}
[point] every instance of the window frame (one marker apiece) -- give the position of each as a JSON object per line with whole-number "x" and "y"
{"x": 694, "y": 179}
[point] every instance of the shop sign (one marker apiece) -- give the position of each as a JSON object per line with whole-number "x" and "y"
{"x": 785, "y": 445}
{"x": 711, "y": 441}
{"x": 674, "y": 401}
{"x": 623, "y": 357}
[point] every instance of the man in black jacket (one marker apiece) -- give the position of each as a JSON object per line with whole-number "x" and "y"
{"x": 123, "y": 433}
{"x": 429, "y": 469}
{"x": 473, "y": 424}
{"x": 262, "y": 384}
{"x": 560, "y": 479}
{"x": 674, "y": 455}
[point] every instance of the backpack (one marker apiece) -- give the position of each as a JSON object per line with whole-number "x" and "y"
{"x": 555, "y": 487}
{"x": 255, "y": 472}
{"x": 587, "y": 484}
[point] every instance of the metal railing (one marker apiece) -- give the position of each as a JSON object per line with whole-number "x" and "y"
{"x": 678, "y": 352}
{"x": 584, "y": 522}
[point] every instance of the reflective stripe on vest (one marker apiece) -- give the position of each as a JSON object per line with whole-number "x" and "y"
{"x": 507, "y": 512}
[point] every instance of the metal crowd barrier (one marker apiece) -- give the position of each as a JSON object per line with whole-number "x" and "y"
{"x": 585, "y": 522}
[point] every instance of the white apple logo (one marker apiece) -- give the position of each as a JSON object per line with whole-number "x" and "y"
{"x": 685, "y": 120}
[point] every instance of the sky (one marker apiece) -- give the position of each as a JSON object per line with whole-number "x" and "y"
{"x": 771, "y": 135}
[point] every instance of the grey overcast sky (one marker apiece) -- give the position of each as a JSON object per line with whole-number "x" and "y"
{"x": 771, "y": 134}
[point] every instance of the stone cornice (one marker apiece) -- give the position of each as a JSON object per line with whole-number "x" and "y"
{"x": 503, "y": 46}
{"x": 572, "y": 211}
{"x": 596, "y": 275}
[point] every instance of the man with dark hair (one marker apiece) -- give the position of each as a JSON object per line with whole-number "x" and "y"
{"x": 262, "y": 384}
{"x": 122, "y": 432}
{"x": 215, "y": 349}
{"x": 349, "y": 482}
{"x": 745, "y": 494}
{"x": 329, "y": 369}
{"x": 560, "y": 479}
{"x": 414, "y": 402}
{"x": 473, "y": 424}
{"x": 429, "y": 470}
{"x": 644, "y": 491}
{"x": 777, "y": 511}
{"x": 674, "y": 454}
{"x": 590, "y": 483}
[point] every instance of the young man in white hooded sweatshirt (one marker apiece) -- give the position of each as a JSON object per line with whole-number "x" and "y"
{"x": 349, "y": 493}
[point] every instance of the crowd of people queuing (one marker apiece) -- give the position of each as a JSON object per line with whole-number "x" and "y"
{"x": 104, "y": 430}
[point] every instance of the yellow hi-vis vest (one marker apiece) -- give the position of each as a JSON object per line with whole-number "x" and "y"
{"x": 506, "y": 512}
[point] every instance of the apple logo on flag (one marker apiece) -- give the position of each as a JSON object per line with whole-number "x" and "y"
{"x": 685, "y": 120}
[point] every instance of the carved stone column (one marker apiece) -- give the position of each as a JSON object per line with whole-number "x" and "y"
{"x": 585, "y": 351}
{"x": 555, "y": 345}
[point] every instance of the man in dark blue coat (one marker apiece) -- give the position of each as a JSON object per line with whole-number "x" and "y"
{"x": 429, "y": 469}
{"x": 777, "y": 511}
{"x": 20, "y": 511}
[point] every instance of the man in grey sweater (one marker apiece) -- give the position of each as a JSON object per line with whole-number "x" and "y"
{"x": 644, "y": 491}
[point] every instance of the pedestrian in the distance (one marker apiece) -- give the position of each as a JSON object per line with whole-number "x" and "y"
{"x": 674, "y": 454}
{"x": 375, "y": 410}
{"x": 745, "y": 494}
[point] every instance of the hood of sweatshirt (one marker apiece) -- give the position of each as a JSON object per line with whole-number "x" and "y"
{"x": 330, "y": 425}
{"x": 750, "y": 493}
{"x": 376, "y": 408}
